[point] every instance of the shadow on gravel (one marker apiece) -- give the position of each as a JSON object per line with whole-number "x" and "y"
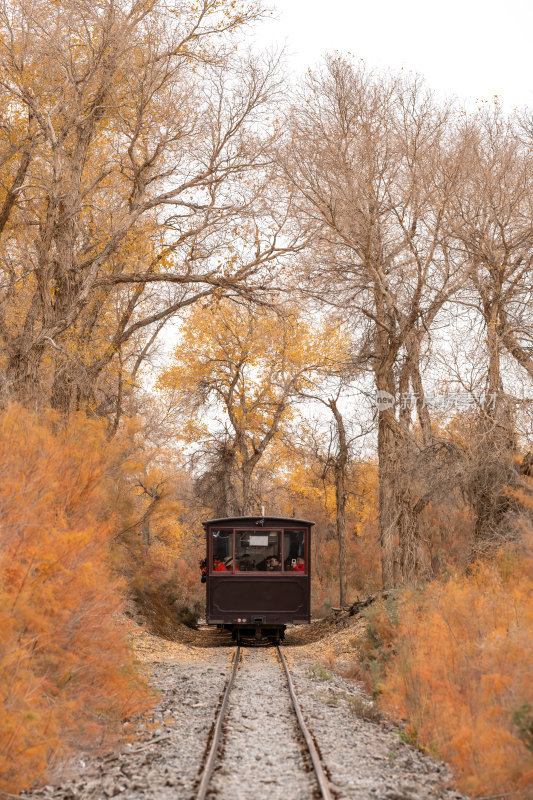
{"x": 295, "y": 636}
{"x": 178, "y": 623}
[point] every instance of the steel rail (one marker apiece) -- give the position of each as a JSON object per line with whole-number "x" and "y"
{"x": 209, "y": 763}
{"x": 322, "y": 779}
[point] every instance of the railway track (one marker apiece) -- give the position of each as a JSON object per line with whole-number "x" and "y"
{"x": 215, "y": 756}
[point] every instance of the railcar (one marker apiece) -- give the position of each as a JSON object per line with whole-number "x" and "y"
{"x": 258, "y": 574}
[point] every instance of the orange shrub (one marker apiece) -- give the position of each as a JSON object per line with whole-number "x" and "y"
{"x": 461, "y": 675}
{"x": 167, "y": 591}
{"x": 67, "y": 675}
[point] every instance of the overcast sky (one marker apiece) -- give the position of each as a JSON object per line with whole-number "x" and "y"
{"x": 471, "y": 49}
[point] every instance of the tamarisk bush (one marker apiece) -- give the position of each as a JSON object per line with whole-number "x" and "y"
{"x": 67, "y": 674}
{"x": 455, "y": 664}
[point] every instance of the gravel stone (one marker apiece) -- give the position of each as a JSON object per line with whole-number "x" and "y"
{"x": 262, "y": 756}
{"x": 163, "y": 762}
{"x": 364, "y": 758}
{"x": 262, "y": 752}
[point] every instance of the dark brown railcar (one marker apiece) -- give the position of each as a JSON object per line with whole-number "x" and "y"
{"x": 258, "y": 574}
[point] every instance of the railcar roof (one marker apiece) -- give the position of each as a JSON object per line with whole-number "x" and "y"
{"x": 258, "y": 520}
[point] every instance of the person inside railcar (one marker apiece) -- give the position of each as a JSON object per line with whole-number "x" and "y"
{"x": 246, "y": 563}
{"x": 222, "y": 553}
{"x": 203, "y": 569}
{"x": 294, "y": 551}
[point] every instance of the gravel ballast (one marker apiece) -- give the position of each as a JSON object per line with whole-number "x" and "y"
{"x": 365, "y": 758}
{"x": 163, "y": 762}
{"x": 262, "y": 756}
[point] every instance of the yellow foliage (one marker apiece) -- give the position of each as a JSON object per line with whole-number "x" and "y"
{"x": 249, "y": 361}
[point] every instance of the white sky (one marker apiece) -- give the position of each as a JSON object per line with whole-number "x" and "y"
{"x": 470, "y": 49}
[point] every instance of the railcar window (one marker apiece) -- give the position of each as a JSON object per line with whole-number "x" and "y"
{"x": 294, "y": 555}
{"x": 222, "y": 550}
{"x": 257, "y": 551}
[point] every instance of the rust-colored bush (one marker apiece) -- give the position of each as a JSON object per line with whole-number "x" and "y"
{"x": 166, "y": 593}
{"x": 67, "y": 674}
{"x": 458, "y": 670}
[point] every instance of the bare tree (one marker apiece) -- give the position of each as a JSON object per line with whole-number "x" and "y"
{"x": 374, "y": 167}
{"x": 492, "y": 218}
{"x": 216, "y": 486}
{"x": 337, "y": 459}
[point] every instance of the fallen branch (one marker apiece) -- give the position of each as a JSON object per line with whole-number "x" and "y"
{"x": 356, "y": 607}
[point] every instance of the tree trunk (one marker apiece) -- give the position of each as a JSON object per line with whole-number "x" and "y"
{"x": 424, "y": 419}
{"x": 388, "y": 534}
{"x": 341, "y": 463}
{"x": 414, "y": 559}
{"x": 494, "y": 470}
{"x": 246, "y": 486}
{"x": 340, "y": 496}
{"x": 229, "y": 501}
{"x": 63, "y": 391}
{"x": 387, "y": 447}
{"x": 402, "y": 551}
{"x": 24, "y": 377}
